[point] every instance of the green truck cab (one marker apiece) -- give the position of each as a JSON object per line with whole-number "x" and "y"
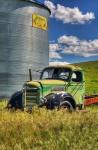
{"x": 59, "y": 86}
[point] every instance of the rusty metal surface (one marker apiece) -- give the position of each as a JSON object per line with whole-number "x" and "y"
{"x": 91, "y": 100}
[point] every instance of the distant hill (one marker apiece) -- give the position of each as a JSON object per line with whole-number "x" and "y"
{"x": 91, "y": 76}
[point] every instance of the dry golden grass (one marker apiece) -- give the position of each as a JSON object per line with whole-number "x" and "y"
{"x": 48, "y": 130}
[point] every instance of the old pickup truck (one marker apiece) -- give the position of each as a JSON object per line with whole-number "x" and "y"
{"x": 58, "y": 87}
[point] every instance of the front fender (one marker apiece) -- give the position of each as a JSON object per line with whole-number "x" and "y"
{"x": 53, "y": 100}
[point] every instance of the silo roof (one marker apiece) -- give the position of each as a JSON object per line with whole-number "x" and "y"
{"x": 39, "y": 4}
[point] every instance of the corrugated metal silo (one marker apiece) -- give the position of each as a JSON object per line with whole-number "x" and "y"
{"x": 23, "y": 42}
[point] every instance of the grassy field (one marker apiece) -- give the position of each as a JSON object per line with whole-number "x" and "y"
{"x": 91, "y": 76}
{"x": 52, "y": 130}
{"x": 48, "y": 130}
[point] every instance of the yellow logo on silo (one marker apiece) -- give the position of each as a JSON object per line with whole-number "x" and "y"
{"x": 39, "y": 22}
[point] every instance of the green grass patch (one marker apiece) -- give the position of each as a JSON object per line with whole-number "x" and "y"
{"x": 91, "y": 76}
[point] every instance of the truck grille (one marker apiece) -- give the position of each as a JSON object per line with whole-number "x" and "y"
{"x": 31, "y": 96}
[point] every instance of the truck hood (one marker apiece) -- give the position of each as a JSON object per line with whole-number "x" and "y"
{"x": 46, "y": 82}
{"x": 48, "y": 86}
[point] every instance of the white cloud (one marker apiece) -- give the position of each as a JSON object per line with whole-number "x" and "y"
{"x": 51, "y": 6}
{"x": 58, "y": 63}
{"x": 72, "y": 15}
{"x": 73, "y": 45}
{"x": 54, "y": 46}
{"x": 54, "y": 55}
{"x": 68, "y": 40}
{"x": 69, "y": 15}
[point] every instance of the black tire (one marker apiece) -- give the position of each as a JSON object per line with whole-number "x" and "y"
{"x": 66, "y": 105}
{"x": 15, "y": 101}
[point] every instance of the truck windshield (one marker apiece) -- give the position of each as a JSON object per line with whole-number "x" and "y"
{"x": 56, "y": 73}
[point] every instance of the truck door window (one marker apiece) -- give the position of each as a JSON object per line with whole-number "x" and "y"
{"x": 61, "y": 73}
{"x": 77, "y": 76}
{"x": 64, "y": 74}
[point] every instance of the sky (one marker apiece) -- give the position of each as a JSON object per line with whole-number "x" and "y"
{"x": 73, "y": 30}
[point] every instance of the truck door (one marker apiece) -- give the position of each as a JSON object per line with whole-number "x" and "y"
{"x": 76, "y": 87}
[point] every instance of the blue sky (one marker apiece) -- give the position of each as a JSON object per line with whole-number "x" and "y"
{"x": 73, "y": 30}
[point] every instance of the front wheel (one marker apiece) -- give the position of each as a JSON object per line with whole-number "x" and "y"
{"x": 15, "y": 101}
{"x": 66, "y": 105}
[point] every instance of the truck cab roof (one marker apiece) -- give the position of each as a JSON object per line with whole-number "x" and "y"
{"x": 71, "y": 67}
